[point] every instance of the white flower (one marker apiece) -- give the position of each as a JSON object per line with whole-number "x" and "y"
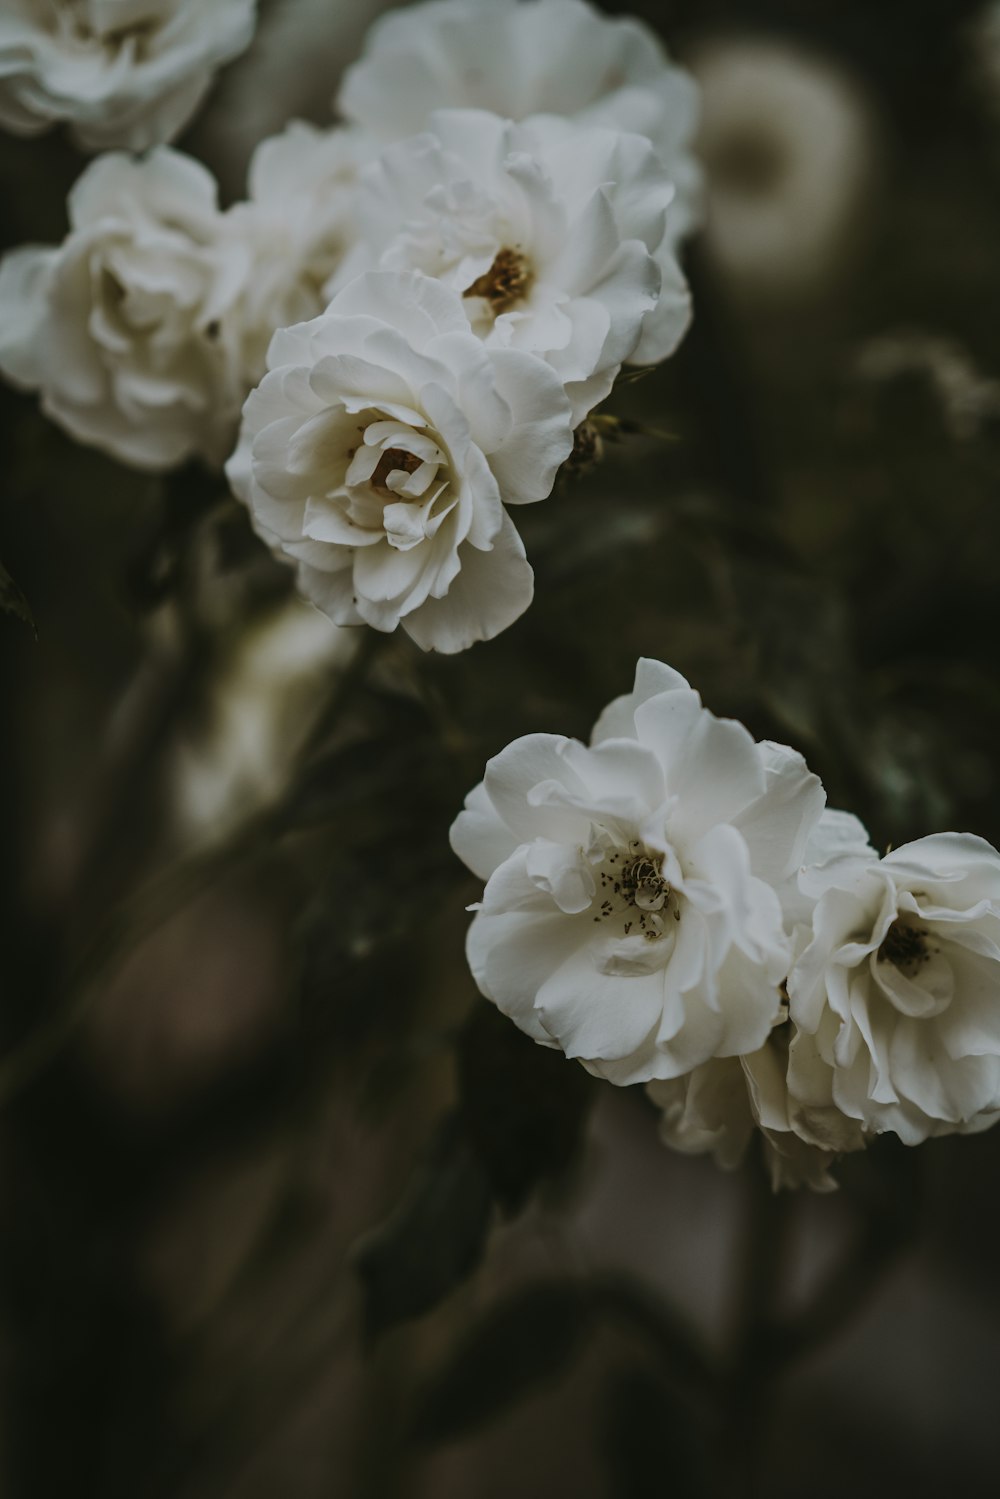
{"x": 718, "y": 1108}
{"x": 555, "y": 236}
{"x": 835, "y": 838}
{"x": 378, "y": 454}
{"x": 237, "y": 756}
{"x": 521, "y": 58}
{"x": 896, "y": 995}
{"x": 125, "y": 73}
{"x": 290, "y": 235}
{"x": 629, "y": 916}
{"x": 119, "y": 327}
{"x": 788, "y": 145}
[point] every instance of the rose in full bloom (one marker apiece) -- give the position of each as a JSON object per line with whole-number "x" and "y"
{"x": 630, "y": 916}
{"x": 119, "y": 329}
{"x": 555, "y": 236}
{"x": 290, "y": 236}
{"x": 522, "y": 58}
{"x": 127, "y": 73}
{"x": 895, "y": 996}
{"x": 380, "y": 450}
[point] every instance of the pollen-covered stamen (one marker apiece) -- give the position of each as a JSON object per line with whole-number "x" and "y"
{"x": 506, "y": 283}
{"x": 394, "y": 464}
{"x": 394, "y": 460}
{"x": 905, "y": 946}
{"x": 633, "y": 889}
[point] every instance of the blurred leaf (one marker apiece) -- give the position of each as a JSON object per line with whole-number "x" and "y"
{"x": 521, "y": 1344}
{"x": 643, "y": 1420}
{"x": 357, "y": 982}
{"x": 13, "y": 601}
{"x": 183, "y": 500}
{"x": 361, "y": 776}
{"x": 524, "y": 1106}
{"x": 433, "y": 1240}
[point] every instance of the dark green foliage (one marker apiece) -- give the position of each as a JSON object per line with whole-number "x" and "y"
{"x": 13, "y": 601}
{"x": 433, "y": 1240}
{"x": 523, "y": 1106}
{"x": 522, "y": 1344}
{"x": 650, "y": 1443}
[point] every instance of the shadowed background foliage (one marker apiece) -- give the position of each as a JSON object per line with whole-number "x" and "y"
{"x": 288, "y": 1209}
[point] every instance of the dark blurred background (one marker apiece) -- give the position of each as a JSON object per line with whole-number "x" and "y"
{"x": 287, "y": 1208}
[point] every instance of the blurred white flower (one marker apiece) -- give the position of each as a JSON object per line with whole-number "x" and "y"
{"x": 717, "y": 1109}
{"x": 119, "y": 328}
{"x": 788, "y": 145}
{"x": 984, "y": 41}
{"x": 127, "y": 73}
{"x": 290, "y": 235}
{"x": 630, "y": 917}
{"x": 967, "y": 398}
{"x": 379, "y": 451}
{"x": 521, "y": 58}
{"x": 555, "y": 235}
{"x": 895, "y": 995}
{"x": 264, "y": 699}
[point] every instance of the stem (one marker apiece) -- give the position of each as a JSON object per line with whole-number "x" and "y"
{"x": 754, "y": 1367}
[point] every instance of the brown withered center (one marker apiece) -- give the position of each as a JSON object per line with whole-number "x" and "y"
{"x": 505, "y": 283}
{"x": 391, "y": 460}
{"x": 905, "y": 947}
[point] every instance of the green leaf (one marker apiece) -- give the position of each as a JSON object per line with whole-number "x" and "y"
{"x": 433, "y": 1240}
{"x": 524, "y": 1107}
{"x": 13, "y": 601}
{"x": 522, "y": 1344}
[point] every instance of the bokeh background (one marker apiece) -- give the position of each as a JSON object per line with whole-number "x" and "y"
{"x": 286, "y": 1208}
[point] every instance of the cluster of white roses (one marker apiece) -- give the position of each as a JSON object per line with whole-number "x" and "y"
{"x": 419, "y": 307}
{"x": 674, "y": 905}
{"x": 415, "y": 312}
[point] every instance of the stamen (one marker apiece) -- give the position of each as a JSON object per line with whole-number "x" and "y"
{"x": 392, "y": 460}
{"x": 505, "y": 283}
{"x": 905, "y": 947}
{"x": 636, "y": 890}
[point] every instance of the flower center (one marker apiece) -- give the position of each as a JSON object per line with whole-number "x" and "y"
{"x": 905, "y": 946}
{"x": 506, "y": 283}
{"x": 633, "y": 888}
{"x": 393, "y": 460}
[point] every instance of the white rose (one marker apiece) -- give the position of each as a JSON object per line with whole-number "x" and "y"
{"x": 290, "y": 235}
{"x": 255, "y": 714}
{"x": 788, "y": 144}
{"x": 895, "y": 996}
{"x": 717, "y": 1109}
{"x": 555, "y": 236}
{"x": 379, "y": 451}
{"x": 629, "y": 916}
{"x": 540, "y": 57}
{"x": 125, "y": 73}
{"x": 119, "y": 328}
